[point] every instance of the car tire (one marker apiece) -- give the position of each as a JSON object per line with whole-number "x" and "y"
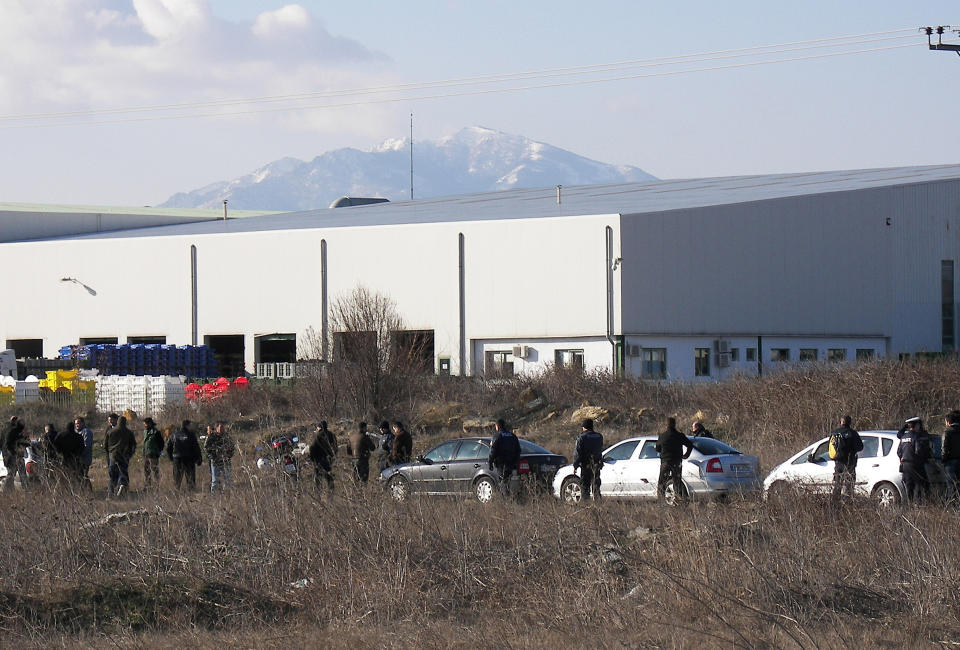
{"x": 670, "y": 497}
{"x": 886, "y": 494}
{"x": 780, "y": 490}
{"x": 398, "y": 487}
{"x": 571, "y": 490}
{"x": 484, "y": 489}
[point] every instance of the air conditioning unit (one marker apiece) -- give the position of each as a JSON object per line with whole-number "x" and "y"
{"x": 518, "y": 351}
{"x": 633, "y": 350}
{"x": 723, "y": 360}
{"x": 525, "y": 351}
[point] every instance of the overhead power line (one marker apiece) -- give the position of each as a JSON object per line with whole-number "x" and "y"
{"x": 467, "y": 86}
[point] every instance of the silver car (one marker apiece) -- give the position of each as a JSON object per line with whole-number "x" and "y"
{"x": 631, "y": 468}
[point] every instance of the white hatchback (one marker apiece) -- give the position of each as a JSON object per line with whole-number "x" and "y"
{"x": 631, "y": 468}
{"x": 878, "y": 469}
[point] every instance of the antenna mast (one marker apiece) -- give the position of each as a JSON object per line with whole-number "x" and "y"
{"x": 411, "y": 156}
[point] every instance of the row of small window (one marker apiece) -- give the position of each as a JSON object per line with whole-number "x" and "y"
{"x": 654, "y": 360}
{"x": 500, "y": 362}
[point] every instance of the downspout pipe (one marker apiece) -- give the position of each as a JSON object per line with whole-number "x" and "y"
{"x": 609, "y": 277}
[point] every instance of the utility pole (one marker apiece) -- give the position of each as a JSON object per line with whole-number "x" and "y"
{"x": 940, "y": 45}
{"x": 411, "y": 156}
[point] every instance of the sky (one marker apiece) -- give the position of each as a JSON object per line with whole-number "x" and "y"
{"x": 82, "y": 81}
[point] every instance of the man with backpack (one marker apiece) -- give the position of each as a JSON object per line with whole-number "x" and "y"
{"x": 183, "y": 449}
{"x": 588, "y": 456}
{"x": 844, "y": 445}
{"x": 504, "y": 455}
{"x": 914, "y": 452}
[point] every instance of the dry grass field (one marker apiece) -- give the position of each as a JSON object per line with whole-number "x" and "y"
{"x": 273, "y": 564}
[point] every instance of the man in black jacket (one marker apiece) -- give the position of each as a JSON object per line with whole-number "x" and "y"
{"x": 385, "y": 447}
{"x": 183, "y": 449}
{"x": 322, "y": 450}
{"x": 504, "y": 455}
{"x": 13, "y": 442}
{"x": 848, "y": 444}
{"x": 951, "y": 452}
{"x": 914, "y": 452}
{"x": 588, "y": 456}
{"x": 361, "y": 446}
{"x": 671, "y": 444}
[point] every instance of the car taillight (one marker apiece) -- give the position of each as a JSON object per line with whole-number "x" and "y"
{"x": 714, "y": 466}
{"x": 30, "y": 467}
{"x": 523, "y": 467}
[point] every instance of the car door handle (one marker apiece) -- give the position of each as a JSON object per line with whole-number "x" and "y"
{"x": 476, "y": 466}
{"x": 875, "y": 465}
{"x": 443, "y": 467}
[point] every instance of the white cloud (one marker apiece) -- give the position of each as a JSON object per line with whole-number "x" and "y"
{"x": 63, "y": 55}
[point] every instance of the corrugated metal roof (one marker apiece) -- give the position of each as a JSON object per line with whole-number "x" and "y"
{"x": 629, "y": 198}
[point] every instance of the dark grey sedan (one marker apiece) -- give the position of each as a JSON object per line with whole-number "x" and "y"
{"x": 459, "y": 466}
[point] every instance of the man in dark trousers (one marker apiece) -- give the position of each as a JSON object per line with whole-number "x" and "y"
{"x": 848, "y": 444}
{"x": 951, "y": 453}
{"x": 152, "y": 448}
{"x": 504, "y": 455}
{"x": 402, "y": 444}
{"x": 120, "y": 445}
{"x": 385, "y": 447}
{"x": 13, "y": 443}
{"x": 671, "y": 445}
{"x": 361, "y": 446}
{"x": 588, "y": 457}
{"x": 322, "y": 450}
{"x": 914, "y": 452}
{"x": 183, "y": 449}
{"x": 220, "y": 448}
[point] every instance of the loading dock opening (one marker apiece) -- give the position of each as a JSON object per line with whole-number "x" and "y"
{"x": 26, "y": 348}
{"x": 228, "y": 350}
{"x": 147, "y": 340}
{"x": 275, "y": 348}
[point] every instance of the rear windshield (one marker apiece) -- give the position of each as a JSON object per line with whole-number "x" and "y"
{"x": 527, "y": 447}
{"x": 711, "y": 447}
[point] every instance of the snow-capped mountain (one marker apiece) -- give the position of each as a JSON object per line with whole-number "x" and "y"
{"x": 476, "y": 159}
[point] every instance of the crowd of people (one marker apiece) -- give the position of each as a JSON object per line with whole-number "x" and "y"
{"x": 66, "y": 455}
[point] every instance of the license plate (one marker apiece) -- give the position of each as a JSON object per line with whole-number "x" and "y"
{"x": 741, "y": 469}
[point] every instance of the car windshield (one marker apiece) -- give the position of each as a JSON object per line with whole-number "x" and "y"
{"x": 711, "y": 447}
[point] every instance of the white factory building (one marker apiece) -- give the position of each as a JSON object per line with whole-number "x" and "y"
{"x": 680, "y": 279}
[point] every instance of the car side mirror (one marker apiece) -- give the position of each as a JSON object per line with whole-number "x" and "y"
{"x": 425, "y": 461}
{"x": 811, "y": 458}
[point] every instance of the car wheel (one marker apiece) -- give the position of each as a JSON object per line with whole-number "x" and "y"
{"x": 484, "y": 489}
{"x": 886, "y": 494}
{"x": 571, "y": 490}
{"x": 399, "y": 487}
{"x": 670, "y": 496}
{"x": 780, "y": 490}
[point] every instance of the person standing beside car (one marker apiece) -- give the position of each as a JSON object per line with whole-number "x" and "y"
{"x": 951, "y": 453}
{"x": 504, "y": 455}
{"x": 361, "y": 446}
{"x": 671, "y": 445}
{"x": 914, "y": 452}
{"x": 588, "y": 457}
{"x": 848, "y": 444}
{"x": 385, "y": 448}
{"x": 402, "y": 444}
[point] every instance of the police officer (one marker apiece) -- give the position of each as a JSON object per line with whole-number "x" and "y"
{"x": 951, "y": 452}
{"x": 848, "y": 445}
{"x": 914, "y": 451}
{"x": 671, "y": 445}
{"x": 588, "y": 456}
{"x": 504, "y": 455}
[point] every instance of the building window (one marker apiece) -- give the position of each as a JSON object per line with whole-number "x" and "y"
{"x": 443, "y": 366}
{"x": 701, "y": 362}
{"x": 780, "y": 355}
{"x": 499, "y": 363}
{"x": 751, "y": 354}
{"x": 568, "y": 359}
{"x": 734, "y": 355}
{"x": 808, "y": 354}
{"x": 864, "y": 354}
{"x": 653, "y": 363}
{"x": 947, "y": 339}
{"x": 26, "y": 348}
{"x": 836, "y": 355}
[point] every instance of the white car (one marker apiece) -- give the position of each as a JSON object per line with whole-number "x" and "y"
{"x": 631, "y": 468}
{"x": 878, "y": 469}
